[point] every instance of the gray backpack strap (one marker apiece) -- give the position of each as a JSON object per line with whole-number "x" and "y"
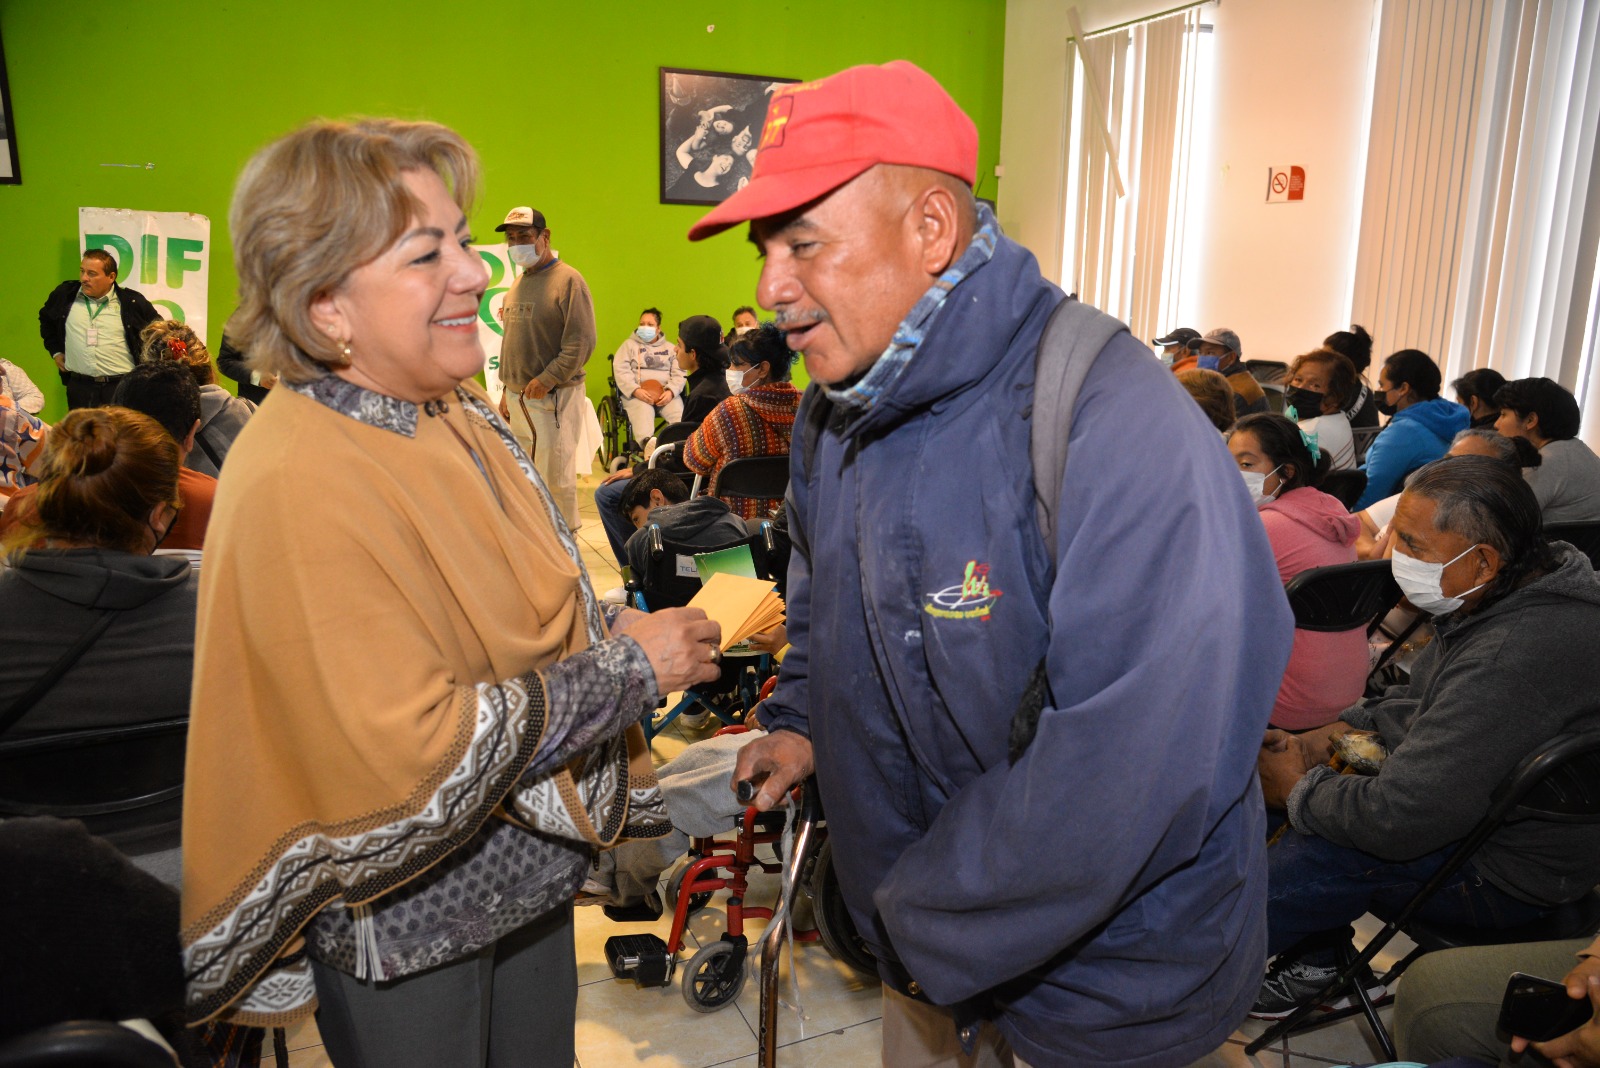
{"x": 1072, "y": 339}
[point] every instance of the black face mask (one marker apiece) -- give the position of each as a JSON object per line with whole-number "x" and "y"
{"x": 1381, "y": 399}
{"x": 1307, "y": 402}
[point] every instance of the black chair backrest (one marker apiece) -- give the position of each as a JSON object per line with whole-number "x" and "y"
{"x": 1268, "y": 372}
{"x": 675, "y": 432}
{"x": 78, "y": 1043}
{"x": 1559, "y": 782}
{"x": 1342, "y": 596}
{"x": 1275, "y": 399}
{"x": 1344, "y": 486}
{"x": 671, "y": 579}
{"x": 1361, "y": 437}
{"x": 1585, "y": 537}
{"x": 114, "y": 779}
{"x": 758, "y": 477}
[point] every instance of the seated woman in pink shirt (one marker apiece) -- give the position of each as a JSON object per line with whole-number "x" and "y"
{"x": 1307, "y": 528}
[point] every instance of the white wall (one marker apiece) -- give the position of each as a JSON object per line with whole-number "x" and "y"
{"x": 1291, "y": 88}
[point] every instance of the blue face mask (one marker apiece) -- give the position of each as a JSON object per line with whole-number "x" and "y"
{"x": 1210, "y": 363}
{"x": 646, "y": 334}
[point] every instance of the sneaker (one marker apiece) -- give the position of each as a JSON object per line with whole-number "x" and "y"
{"x": 695, "y": 720}
{"x": 616, "y": 595}
{"x": 1290, "y": 983}
{"x": 646, "y": 911}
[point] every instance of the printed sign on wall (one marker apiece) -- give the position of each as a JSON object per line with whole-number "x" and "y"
{"x": 165, "y": 255}
{"x": 502, "y": 273}
{"x": 1285, "y": 183}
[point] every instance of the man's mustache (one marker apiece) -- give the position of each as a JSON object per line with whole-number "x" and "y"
{"x": 788, "y": 320}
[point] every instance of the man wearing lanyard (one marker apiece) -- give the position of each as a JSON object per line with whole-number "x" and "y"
{"x": 91, "y": 329}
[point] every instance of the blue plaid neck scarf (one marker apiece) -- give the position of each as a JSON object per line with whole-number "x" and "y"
{"x": 914, "y": 327}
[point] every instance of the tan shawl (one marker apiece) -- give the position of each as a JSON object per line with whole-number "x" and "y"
{"x": 363, "y": 597}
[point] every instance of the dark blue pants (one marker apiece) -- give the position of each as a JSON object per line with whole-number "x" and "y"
{"x": 618, "y": 529}
{"x": 1314, "y": 886}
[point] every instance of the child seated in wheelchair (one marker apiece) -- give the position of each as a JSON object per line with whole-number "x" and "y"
{"x": 660, "y": 500}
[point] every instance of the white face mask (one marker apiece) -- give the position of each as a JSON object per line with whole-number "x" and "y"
{"x": 735, "y": 380}
{"x": 523, "y": 255}
{"x": 1256, "y": 483}
{"x": 741, "y": 331}
{"x": 646, "y": 334}
{"x": 1420, "y": 582}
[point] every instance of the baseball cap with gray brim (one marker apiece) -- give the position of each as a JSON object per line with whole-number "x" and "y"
{"x": 1226, "y": 338}
{"x": 1183, "y": 335}
{"x": 523, "y": 216}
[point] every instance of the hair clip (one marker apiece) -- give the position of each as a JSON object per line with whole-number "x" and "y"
{"x": 1311, "y": 444}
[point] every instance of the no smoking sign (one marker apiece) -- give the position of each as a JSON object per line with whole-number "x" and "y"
{"x": 1285, "y": 183}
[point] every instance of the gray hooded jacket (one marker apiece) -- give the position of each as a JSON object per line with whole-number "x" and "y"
{"x": 1492, "y": 687}
{"x": 137, "y": 671}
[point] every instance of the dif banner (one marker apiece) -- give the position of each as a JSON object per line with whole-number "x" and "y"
{"x": 165, "y": 255}
{"x": 502, "y": 274}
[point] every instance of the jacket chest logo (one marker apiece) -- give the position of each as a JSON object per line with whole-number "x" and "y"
{"x": 971, "y": 598}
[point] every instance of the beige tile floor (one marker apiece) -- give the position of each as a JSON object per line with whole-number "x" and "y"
{"x": 621, "y": 1025}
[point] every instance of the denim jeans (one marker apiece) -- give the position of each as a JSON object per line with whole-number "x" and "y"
{"x": 1314, "y": 886}
{"x": 618, "y": 529}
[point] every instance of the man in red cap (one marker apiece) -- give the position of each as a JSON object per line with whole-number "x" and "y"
{"x": 1034, "y": 728}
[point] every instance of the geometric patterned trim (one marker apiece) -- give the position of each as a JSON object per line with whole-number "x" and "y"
{"x": 320, "y": 864}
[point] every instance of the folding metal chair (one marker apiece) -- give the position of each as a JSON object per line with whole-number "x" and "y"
{"x": 1560, "y": 783}
{"x": 122, "y": 782}
{"x": 1343, "y": 596}
{"x": 1361, "y": 437}
{"x": 762, "y": 478}
{"x": 1585, "y": 537}
{"x": 1344, "y": 486}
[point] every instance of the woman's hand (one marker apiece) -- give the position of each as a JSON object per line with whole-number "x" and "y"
{"x": 770, "y": 641}
{"x": 682, "y": 646}
{"x": 617, "y": 476}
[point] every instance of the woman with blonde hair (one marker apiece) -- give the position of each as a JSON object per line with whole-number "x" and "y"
{"x": 81, "y": 572}
{"x": 222, "y": 415}
{"x": 412, "y": 725}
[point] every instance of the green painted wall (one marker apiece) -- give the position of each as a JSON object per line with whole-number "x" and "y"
{"x": 559, "y": 99}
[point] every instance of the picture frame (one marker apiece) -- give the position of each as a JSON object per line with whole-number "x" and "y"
{"x": 10, "y": 169}
{"x": 710, "y": 126}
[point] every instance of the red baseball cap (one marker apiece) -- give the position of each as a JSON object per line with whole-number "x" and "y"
{"x": 819, "y": 135}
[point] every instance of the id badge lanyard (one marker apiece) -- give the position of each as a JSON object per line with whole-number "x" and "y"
{"x": 91, "y": 336}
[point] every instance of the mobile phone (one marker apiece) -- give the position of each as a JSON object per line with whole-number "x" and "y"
{"x": 1539, "y": 1009}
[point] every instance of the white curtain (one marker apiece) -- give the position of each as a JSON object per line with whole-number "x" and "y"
{"x": 1481, "y": 218}
{"x": 1137, "y": 82}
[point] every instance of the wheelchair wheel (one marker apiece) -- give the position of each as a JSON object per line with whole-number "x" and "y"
{"x": 614, "y": 430}
{"x": 715, "y": 976}
{"x": 697, "y": 901}
{"x": 834, "y": 925}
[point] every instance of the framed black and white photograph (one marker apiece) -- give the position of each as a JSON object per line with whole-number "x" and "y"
{"x": 10, "y": 172}
{"x": 710, "y": 126}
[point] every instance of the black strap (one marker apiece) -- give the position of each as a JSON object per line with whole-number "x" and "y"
{"x": 211, "y": 454}
{"x": 42, "y": 686}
